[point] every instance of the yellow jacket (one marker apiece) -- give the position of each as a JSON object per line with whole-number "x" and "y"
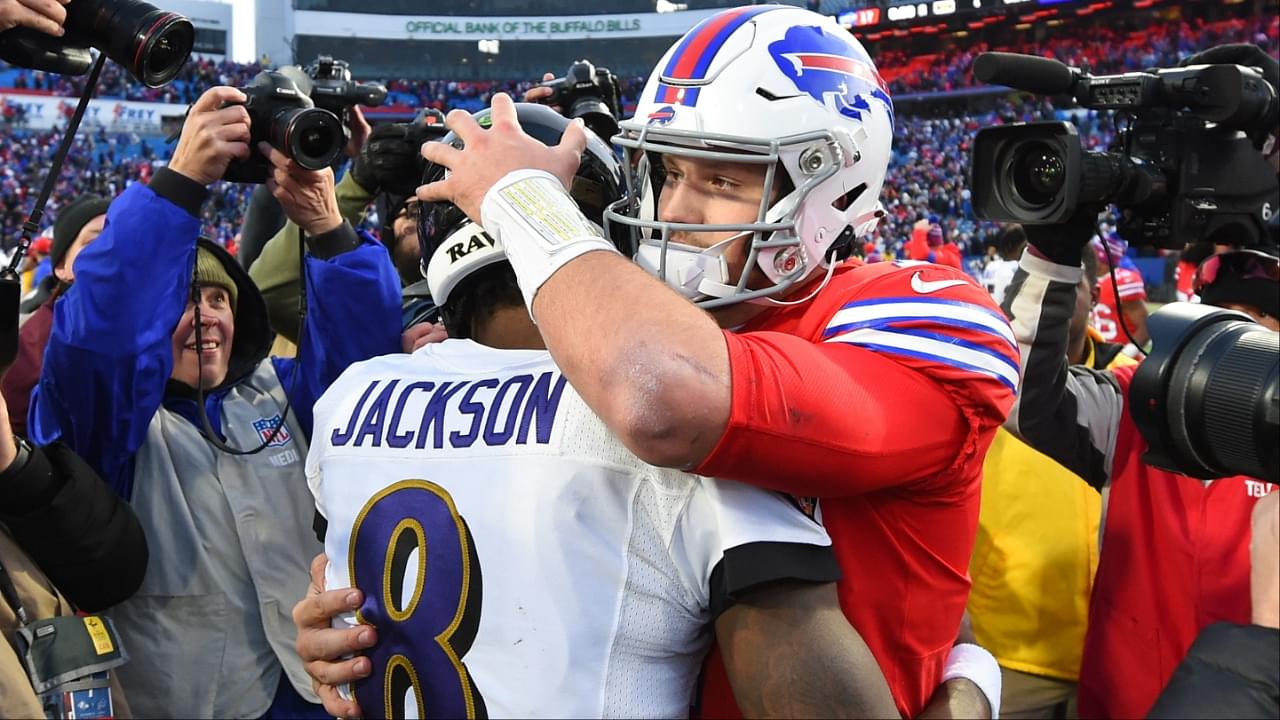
{"x": 1035, "y": 557}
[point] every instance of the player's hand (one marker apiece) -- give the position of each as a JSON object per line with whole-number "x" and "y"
{"x": 215, "y": 132}
{"x": 322, "y": 646}
{"x": 46, "y": 16}
{"x": 307, "y": 196}
{"x": 1264, "y": 557}
{"x": 422, "y": 334}
{"x": 488, "y": 155}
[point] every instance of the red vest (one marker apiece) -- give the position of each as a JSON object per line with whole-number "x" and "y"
{"x": 1175, "y": 558}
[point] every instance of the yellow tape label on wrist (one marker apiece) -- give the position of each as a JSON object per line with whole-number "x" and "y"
{"x": 548, "y": 210}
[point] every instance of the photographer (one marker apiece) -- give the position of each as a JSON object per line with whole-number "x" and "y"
{"x": 1160, "y": 529}
{"x": 157, "y": 319}
{"x": 66, "y": 543}
{"x": 78, "y": 224}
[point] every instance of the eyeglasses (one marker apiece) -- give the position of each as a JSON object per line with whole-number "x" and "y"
{"x": 412, "y": 211}
{"x": 1241, "y": 264}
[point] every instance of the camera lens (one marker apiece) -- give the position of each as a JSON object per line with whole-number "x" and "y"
{"x": 1038, "y": 174}
{"x": 1207, "y": 398}
{"x": 150, "y": 43}
{"x": 311, "y": 136}
{"x": 313, "y": 142}
{"x": 165, "y": 51}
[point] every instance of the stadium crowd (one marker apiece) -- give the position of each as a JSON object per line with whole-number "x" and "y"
{"x": 759, "y": 464}
{"x": 929, "y": 151}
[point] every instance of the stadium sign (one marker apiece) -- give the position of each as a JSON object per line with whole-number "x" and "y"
{"x": 398, "y": 27}
{"x": 45, "y": 112}
{"x": 540, "y": 27}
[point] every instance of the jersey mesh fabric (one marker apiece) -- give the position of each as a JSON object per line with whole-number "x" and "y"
{"x": 655, "y": 606}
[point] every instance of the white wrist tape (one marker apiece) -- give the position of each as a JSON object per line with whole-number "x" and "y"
{"x": 978, "y": 666}
{"x": 529, "y": 214}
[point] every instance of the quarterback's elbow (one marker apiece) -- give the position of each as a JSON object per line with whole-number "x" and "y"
{"x": 674, "y": 426}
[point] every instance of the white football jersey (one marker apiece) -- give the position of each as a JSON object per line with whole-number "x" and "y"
{"x": 516, "y": 559}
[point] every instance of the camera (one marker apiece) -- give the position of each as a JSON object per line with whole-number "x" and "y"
{"x": 282, "y": 113}
{"x": 1207, "y": 397}
{"x": 333, "y": 89}
{"x": 590, "y": 93}
{"x": 1184, "y": 166}
{"x": 150, "y": 43}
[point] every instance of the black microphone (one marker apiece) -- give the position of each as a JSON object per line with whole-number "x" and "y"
{"x": 1043, "y": 76}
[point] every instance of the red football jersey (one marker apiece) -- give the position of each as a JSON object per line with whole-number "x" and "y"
{"x": 1175, "y": 558}
{"x": 1106, "y": 314}
{"x": 880, "y": 396}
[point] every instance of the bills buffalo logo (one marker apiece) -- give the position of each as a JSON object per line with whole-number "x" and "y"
{"x": 266, "y": 426}
{"x": 662, "y": 116}
{"x": 830, "y": 70}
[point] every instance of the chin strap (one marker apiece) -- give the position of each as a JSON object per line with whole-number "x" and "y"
{"x": 826, "y": 279}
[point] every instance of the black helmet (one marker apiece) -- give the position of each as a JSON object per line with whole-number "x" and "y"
{"x": 597, "y": 183}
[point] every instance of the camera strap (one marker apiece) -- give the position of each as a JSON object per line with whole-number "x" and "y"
{"x": 10, "y": 282}
{"x": 32, "y": 226}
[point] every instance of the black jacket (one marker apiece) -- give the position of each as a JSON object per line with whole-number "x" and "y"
{"x": 84, "y": 537}
{"x": 1231, "y": 671}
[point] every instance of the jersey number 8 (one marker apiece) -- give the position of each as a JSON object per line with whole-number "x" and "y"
{"x": 411, "y": 533}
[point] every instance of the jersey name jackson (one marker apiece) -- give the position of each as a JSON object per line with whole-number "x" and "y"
{"x": 515, "y": 410}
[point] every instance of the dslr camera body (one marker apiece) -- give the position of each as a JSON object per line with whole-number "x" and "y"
{"x": 301, "y": 113}
{"x": 282, "y": 113}
{"x": 1185, "y": 164}
{"x": 150, "y": 43}
{"x": 590, "y": 93}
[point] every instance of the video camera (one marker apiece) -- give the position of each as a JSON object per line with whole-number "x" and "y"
{"x": 150, "y": 43}
{"x": 590, "y": 93}
{"x": 392, "y": 158}
{"x": 301, "y": 113}
{"x": 333, "y": 89}
{"x": 1185, "y": 165}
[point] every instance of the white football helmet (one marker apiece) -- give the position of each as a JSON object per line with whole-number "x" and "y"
{"x": 773, "y": 85}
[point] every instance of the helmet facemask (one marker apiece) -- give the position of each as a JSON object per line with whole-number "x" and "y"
{"x": 774, "y": 235}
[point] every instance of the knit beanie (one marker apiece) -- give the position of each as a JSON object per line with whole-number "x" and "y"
{"x": 210, "y": 271}
{"x": 72, "y": 219}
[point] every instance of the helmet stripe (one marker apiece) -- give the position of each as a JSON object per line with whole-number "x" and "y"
{"x": 693, "y": 57}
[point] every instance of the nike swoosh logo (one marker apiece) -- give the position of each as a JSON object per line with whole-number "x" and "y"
{"x": 925, "y": 287}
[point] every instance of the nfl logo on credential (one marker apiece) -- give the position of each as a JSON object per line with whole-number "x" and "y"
{"x": 830, "y": 70}
{"x": 264, "y": 426}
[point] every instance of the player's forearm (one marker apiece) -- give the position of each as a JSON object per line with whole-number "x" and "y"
{"x": 956, "y": 698}
{"x": 653, "y": 366}
{"x": 790, "y": 652}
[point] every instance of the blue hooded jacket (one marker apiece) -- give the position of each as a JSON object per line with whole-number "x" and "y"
{"x": 107, "y": 366}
